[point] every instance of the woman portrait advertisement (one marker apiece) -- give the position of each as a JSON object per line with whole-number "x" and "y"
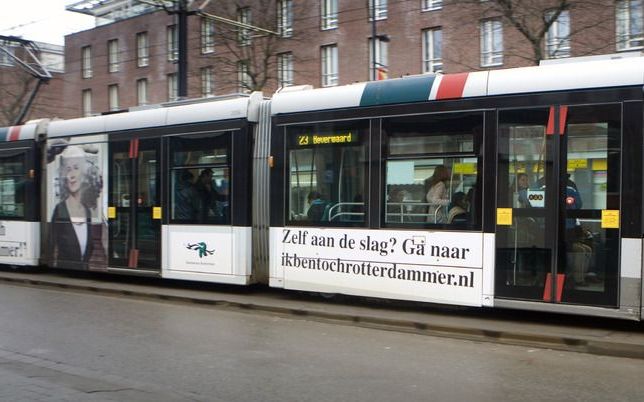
{"x": 74, "y": 240}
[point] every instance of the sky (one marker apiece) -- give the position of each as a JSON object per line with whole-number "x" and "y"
{"x": 41, "y": 20}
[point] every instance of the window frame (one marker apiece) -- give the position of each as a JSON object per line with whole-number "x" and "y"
{"x": 329, "y": 14}
{"x": 285, "y": 69}
{"x": 553, "y": 39}
{"x": 86, "y": 62}
{"x": 113, "y": 97}
{"x": 207, "y": 82}
{"x": 207, "y": 36}
{"x": 476, "y": 152}
{"x": 432, "y": 64}
{"x": 113, "y": 65}
{"x": 382, "y": 56}
{"x": 488, "y": 28}
{"x": 330, "y": 76}
{"x": 623, "y": 29}
{"x": 243, "y": 34}
{"x": 142, "y": 49}
{"x": 431, "y": 5}
{"x": 173, "y": 87}
{"x": 289, "y": 132}
{"x": 379, "y": 9}
{"x": 86, "y": 102}
{"x": 285, "y": 18}
{"x": 226, "y": 137}
{"x": 172, "y": 43}
{"x": 142, "y": 92}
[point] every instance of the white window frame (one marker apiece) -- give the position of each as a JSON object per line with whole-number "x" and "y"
{"x": 87, "y": 102}
{"x": 432, "y": 57}
{"x": 558, "y": 36}
{"x": 113, "y": 97}
{"x": 243, "y": 34}
{"x": 113, "y": 55}
{"x": 142, "y": 49}
{"x": 207, "y": 35}
{"x": 380, "y": 9}
{"x": 491, "y": 35}
{"x": 142, "y": 91}
{"x": 329, "y": 68}
{"x": 285, "y": 69}
{"x": 382, "y": 56}
{"x": 431, "y": 5}
{"x": 628, "y": 35}
{"x": 172, "y": 43}
{"x": 207, "y": 87}
{"x": 285, "y": 18}
{"x": 86, "y": 62}
{"x": 243, "y": 77}
{"x": 173, "y": 87}
{"x": 329, "y": 14}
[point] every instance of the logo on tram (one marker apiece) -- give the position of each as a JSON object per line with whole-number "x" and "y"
{"x": 201, "y": 248}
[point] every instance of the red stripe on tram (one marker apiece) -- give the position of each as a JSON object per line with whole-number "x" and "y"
{"x": 550, "y": 128}
{"x": 451, "y": 86}
{"x": 14, "y": 133}
{"x": 547, "y": 290}
{"x": 134, "y": 148}
{"x": 563, "y": 114}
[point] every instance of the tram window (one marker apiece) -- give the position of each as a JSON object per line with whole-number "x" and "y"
{"x": 327, "y": 168}
{"x": 200, "y": 179}
{"x": 12, "y": 184}
{"x": 432, "y": 170}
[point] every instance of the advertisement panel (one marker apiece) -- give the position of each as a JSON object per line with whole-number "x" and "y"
{"x": 76, "y": 203}
{"x": 200, "y": 249}
{"x": 441, "y": 267}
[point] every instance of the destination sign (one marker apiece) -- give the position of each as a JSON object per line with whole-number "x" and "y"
{"x": 349, "y": 137}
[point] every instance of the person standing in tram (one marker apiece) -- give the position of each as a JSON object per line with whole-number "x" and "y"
{"x": 437, "y": 195}
{"x": 71, "y": 237}
{"x": 519, "y": 191}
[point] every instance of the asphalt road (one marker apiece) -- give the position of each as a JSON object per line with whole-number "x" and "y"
{"x": 59, "y": 345}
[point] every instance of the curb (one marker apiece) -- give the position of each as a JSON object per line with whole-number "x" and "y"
{"x": 570, "y": 343}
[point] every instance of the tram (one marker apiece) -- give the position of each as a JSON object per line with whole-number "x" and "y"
{"x": 517, "y": 188}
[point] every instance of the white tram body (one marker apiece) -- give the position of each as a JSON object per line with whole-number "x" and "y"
{"x": 517, "y": 188}
{"x": 135, "y": 154}
{"x": 19, "y": 227}
{"x": 485, "y": 264}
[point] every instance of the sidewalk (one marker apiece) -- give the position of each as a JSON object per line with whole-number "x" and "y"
{"x": 578, "y": 334}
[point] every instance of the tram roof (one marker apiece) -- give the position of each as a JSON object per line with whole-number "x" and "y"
{"x": 210, "y": 111}
{"x": 27, "y": 131}
{"x": 434, "y": 87}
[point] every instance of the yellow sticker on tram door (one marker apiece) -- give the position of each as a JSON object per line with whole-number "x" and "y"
{"x": 156, "y": 213}
{"x": 111, "y": 212}
{"x": 504, "y": 216}
{"x": 610, "y": 218}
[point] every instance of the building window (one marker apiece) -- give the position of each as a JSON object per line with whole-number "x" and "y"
{"x": 430, "y": 5}
{"x": 629, "y": 21}
{"x": 86, "y": 61}
{"x": 243, "y": 77}
{"x": 172, "y": 41}
{"x": 5, "y": 58}
{"x": 87, "y": 102}
{"x": 432, "y": 50}
{"x": 113, "y": 97}
{"x": 243, "y": 34}
{"x": 285, "y": 69}
{"x": 558, "y": 35}
{"x": 378, "y": 8}
{"x": 207, "y": 35}
{"x": 173, "y": 91}
{"x": 378, "y": 70}
{"x": 142, "y": 49}
{"x": 142, "y": 92}
{"x": 491, "y": 43}
{"x": 329, "y": 56}
{"x": 329, "y": 14}
{"x": 113, "y": 55}
{"x": 207, "y": 87}
{"x": 285, "y": 18}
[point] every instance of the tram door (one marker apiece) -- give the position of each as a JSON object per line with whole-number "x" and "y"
{"x": 134, "y": 205}
{"x": 558, "y": 197}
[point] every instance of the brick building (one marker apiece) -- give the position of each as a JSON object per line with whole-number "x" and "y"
{"x": 130, "y": 58}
